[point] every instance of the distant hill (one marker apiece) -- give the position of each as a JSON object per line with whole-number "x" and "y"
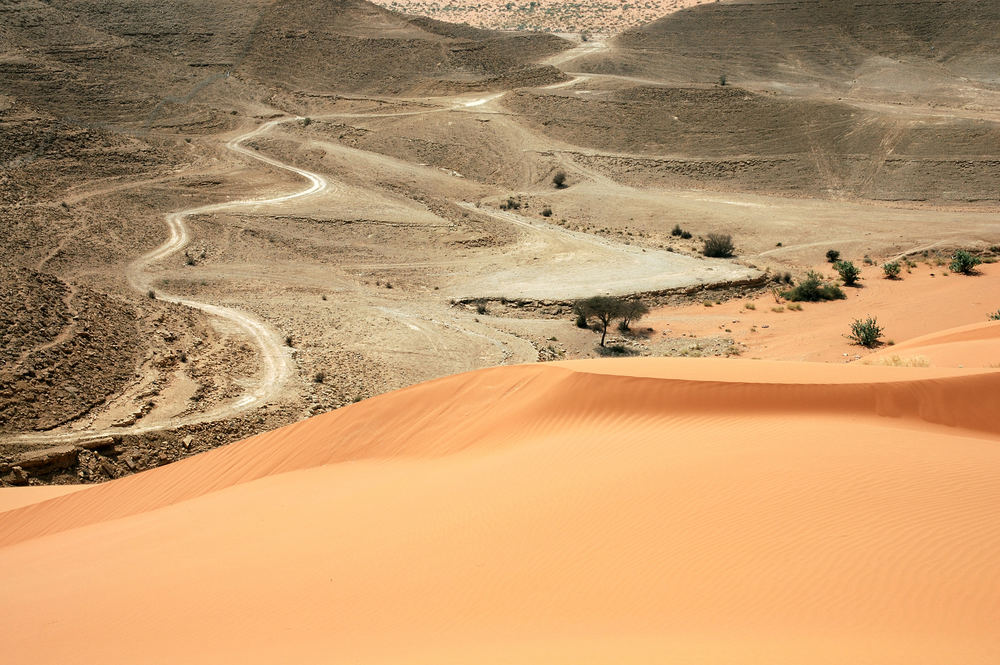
{"x": 117, "y": 61}
{"x": 353, "y": 45}
{"x": 899, "y": 48}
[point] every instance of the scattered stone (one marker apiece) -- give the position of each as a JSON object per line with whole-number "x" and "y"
{"x": 17, "y": 476}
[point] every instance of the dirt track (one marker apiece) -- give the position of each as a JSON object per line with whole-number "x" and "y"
{"x": 275, "y": 362}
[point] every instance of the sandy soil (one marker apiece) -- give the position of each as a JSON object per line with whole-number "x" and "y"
{"x": 696, "y": 510}
{"x": 772, "y": 331}
{"x": 543, "y": 15}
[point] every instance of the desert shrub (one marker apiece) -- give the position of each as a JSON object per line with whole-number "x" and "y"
{"x": 795, "y": 307}
{"x": 963, "y": 262}
{"x": 866, "y": 332}
{"x": 891, "y": 269}
{"x": 814, "y": 289}
{"x": 787, "y": 278}
{"x": 676, "y": 231}
{"x": 151, "y": 294}
{"x": 306, "y": 122}
{"x": 686, "y": 235}
{"x": 559, "y": 179}
{"x": 723, "y": 80}
{"x": 718, "y": 245}
{"x": 848, "y": 272}
{"x": 481, "y": 307}
{"x": 546, "y": 211}
{"x": 189, "y": 260}
{"x": 750, "y": 306}
{"x": 288, "y": 340}
{"x": 832, "y": 256}
{"x": 581, "y": 320}
{"x": 994, "y": 316}
{"x": 319, "y": 377}
{"x": 510, "y": 204}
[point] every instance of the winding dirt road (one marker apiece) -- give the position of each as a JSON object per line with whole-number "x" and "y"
{"x": 276, "y": 365}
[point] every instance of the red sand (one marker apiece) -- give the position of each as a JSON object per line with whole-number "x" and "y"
{"x": 918, "y": 304}
{"x": 628, "y": 511}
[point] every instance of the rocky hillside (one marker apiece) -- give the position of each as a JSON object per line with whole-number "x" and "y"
{"x": 64, "y": 350}
{"x": 907, "y": 48}
{"x": 731, "y": 138}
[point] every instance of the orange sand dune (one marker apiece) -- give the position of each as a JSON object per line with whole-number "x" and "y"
{"x": 628, "y": 511}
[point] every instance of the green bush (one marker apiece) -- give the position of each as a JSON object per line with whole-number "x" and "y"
{"x": 581, "y": 320}
{"x": 832, "y": 255}
{"x": 891, "y": 269}
{"x": 866, "y": 332}
{"x": 848, "y": 272}
{"x": 963, "y": 262}
{"x": 718, "y": 245}
{"x": 813, "y": 289}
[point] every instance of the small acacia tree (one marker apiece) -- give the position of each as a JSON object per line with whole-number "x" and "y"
{"x": 604, "y": 309}
{"x": 632, "y": 311}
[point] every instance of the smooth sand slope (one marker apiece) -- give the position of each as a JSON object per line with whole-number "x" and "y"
{"x": 628, "y": 511}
